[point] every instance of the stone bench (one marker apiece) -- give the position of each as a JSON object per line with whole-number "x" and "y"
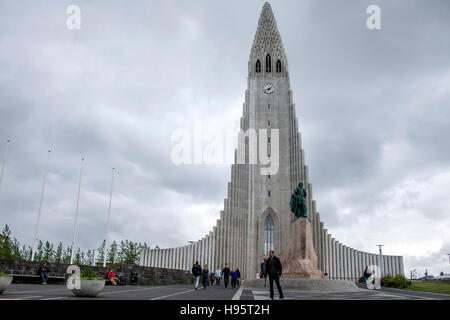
{"x": 30, "y": 277}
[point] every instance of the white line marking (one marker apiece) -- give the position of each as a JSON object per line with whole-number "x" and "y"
{"x": 37, "y": 290}
{"x": 131, "y": 290}
{"x": 56, "y": 298}
{"x": 237, "y": 295}
{"x": 171, "y": 295}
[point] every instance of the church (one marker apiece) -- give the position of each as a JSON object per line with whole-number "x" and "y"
{"x": 256, "y": 215}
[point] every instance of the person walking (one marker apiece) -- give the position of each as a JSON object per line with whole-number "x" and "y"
{"x": 263, "y": 268}
{"x": 112, "y": 277}
{"x": 205, "y": 276}
{"x": 197, "y": 272}
{"x": 218, "y": 275}
{"x": 233, "y": 278}
{"x": 226, "y": 275}
{"x": 43, "y": 272}
{"x": 273, "y": 269}
{"x": 238, "y": 276}
{"x": 367, "y": 275}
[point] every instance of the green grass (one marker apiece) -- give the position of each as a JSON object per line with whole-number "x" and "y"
{"x": 430, "y": 286}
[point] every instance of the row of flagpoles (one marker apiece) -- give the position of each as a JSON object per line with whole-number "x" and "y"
{"x": 36, "y": 232}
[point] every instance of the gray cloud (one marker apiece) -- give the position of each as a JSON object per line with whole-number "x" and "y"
{"x": 372, "y": 108}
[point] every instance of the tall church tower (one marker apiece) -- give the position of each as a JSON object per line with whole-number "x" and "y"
{"x": 256, "y": 217}
{"x": 269, "y": 106}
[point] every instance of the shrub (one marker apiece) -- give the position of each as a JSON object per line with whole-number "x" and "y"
{"x": 2, "y": 274}
{"x": 88, "y": 274}
{"x": 399, "y": 281}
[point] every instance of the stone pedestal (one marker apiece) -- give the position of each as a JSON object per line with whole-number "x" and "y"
{"x": 298, "y": 259}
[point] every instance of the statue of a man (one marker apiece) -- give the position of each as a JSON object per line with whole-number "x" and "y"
{"x": 298, "y": 202}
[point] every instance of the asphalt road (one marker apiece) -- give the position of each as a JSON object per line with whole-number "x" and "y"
{"x": 186, "y": 292}
{"x": 169, "y": 292}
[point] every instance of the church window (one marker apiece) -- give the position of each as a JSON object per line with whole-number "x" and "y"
{"x": 268, "y": 193}
{"x": 258, "y": 66}
{"x": 268, "y": 123}
{"x": 268, "y": 107}
{"x": 268, "y": 139}
{"x": 268, "y": 64}
{"x": 268, "y": 234}
{"x": 278, "y": 65}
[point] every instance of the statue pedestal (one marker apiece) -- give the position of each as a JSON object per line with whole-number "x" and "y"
{"x": 298, "y": 259}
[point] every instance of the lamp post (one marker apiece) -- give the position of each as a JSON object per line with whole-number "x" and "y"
{"x": 76, "y": 213}
{"x": 108, "y": 219}
{"x": 381, "y": 260}
{"x": 36, "y": 232}
{"x": 5, "y": 158}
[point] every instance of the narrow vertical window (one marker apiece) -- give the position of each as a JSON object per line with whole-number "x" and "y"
{"x": 278, "y": 65}
{"x": 268, "y": 139}
{"x": 258, "y": 66}
{"x": 268, "y": 234}
{"x": 268, "y": 64}
{"x": 268, "y": 123}
{"x": 268, "y": 107}
{"x": 268, "y": 193}
{"x": 268, "y": 176}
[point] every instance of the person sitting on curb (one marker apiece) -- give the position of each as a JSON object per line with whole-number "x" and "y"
{"x": 112, "y": 277}
{"x": 43, "y": 273}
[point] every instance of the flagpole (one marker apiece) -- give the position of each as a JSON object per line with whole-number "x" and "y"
{"x": 36, "y": 232}
{"x": 76, "y": 214}
{"x": 105, "y": 249}
{"x": 5, "y": 158}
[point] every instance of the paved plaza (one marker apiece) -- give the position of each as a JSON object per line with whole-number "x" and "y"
{"x": 186, "y": 292}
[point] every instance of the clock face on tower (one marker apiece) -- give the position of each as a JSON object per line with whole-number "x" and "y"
{"x": 269, "y": 88}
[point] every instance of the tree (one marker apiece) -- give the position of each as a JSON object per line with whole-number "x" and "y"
{"x": 5, "y": 243}
{"x": 112, "y": 253}
{"x": 66, "y": 255}
{"x": 130, "y": 252}
{"x": 48, "y": 252}
{"x": 58, "y": 257}
{"x": 78, "y": 258}
{"x": 100, "y": 253}
{"x": 25, "y": 253}
{"x": 90, "y": 257}
{"x": 39, "y": 251}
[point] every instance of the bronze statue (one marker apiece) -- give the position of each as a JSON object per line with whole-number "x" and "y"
{"x": 298, "y": 202}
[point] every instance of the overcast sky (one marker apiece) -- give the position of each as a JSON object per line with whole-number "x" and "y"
{"x": 373, "y": 109}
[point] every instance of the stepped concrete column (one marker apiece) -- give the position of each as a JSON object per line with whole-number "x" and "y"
{"x": 402, "y": 269}
{"x": 345, "y": 256}
{"x": 341, "y": 261}
{"x": 335, "y": 260}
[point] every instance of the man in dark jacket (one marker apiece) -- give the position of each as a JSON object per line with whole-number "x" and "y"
{"x": 226, "y": 275}
{"x": 197, "y": 272}
{"x": 273, "y": 270}
{"x": 43, "y": 273}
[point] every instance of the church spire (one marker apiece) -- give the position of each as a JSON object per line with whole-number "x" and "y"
{"x": 267, "y": 40}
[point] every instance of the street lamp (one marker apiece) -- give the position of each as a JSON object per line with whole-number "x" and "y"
{"x": 108, "y": 219}
{"x": 36, "y": 232}
{"x": 76, "y": 214}
{"x": 5, "y": 158}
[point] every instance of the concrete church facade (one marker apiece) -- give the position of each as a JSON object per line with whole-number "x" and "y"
{"x": 256, "y": 215}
